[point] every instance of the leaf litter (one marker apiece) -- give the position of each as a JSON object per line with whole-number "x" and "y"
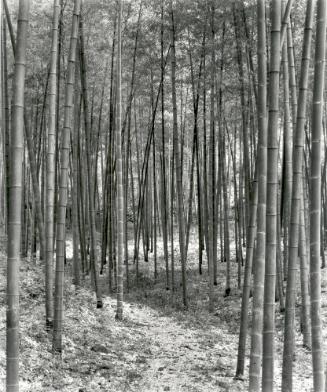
{"x": 157, "y": 347}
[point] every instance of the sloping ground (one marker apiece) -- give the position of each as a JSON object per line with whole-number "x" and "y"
{"x": 157, "y": 347}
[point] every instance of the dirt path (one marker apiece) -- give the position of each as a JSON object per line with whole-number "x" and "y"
{"x": 181, "y": 358}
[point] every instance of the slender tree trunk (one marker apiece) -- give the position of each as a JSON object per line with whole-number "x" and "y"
{"x": 296, "y": 205}
{"x": 106, "y": 227}
{"x": 25, "y": 212}
{"x": 177, "y": 159}
{"x": 211, "y": 170}
{"x": 36, "y": 188}
{"x": 259, "y": 257}
{"x": 204, "y": 163}
{"x": 119, "y": 177}
{"x": 245, "y": 130}
{"x": 224, "y": 174}
{"x": 80, "y": 204}
{"x": 33, "y": 163}
{"x": 292, "y": 73}
{"x": 164, "y": 178}
{"x": 285, "y": 20}
{"x": 315, "y": 199}
{"x": 154, "y": 180}
{"x": 271, "y": 213}
{"x": 172, "y": 197}
{"x": 58, "y": 118}
{"x": 279, "y": 292}
{"x": 2, "y": 117}
{"x": 15, "y": 201}
{"x": 196, "y": 99}
{"x": 10, "y": 26}
{"x": 287, "y": 159}
{"x": 247, "y": 278}
{"x": 62, "y": 204}
{"x": 304, "y": 269}
{"x": 88, "y": 142}
{"x": 6, "y": 121}
{"x": 127, "y": 145}
{"x": 74, "y": 188}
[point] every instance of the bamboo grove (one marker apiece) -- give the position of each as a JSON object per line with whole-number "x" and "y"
{"x": 141, "y": 130}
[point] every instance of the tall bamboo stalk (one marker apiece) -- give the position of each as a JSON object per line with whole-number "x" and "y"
{"x": 272, "y": 194}
{"x": 315, "y": 199}
{"x": 297, "y": 186}
{"x": 119, "y": 177}
{"x": 260, "y": 251}
{"x": 15, "y": 201}
{"x": 90, "y": 182}
{"x": 177, "y": 160}
{"x": 62, "y": 204}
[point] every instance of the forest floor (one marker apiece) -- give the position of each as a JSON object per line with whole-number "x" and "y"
{"x": 157, "y": 347}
